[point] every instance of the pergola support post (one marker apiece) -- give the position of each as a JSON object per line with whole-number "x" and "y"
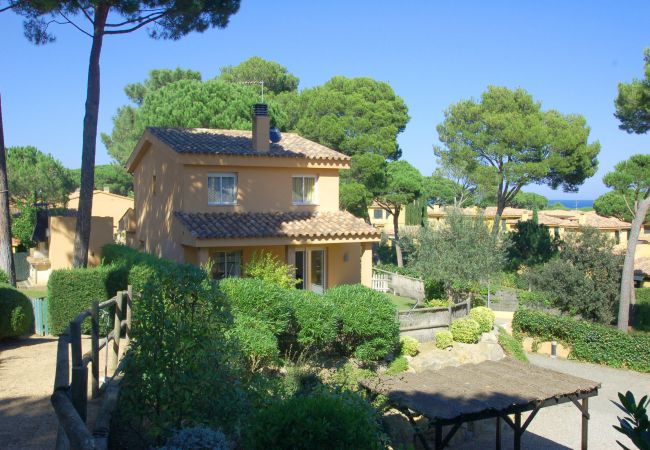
{"x": 585, "y": 422}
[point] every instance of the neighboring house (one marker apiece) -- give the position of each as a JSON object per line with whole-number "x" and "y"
{"x": 105, "y": 204}
{"x": 383, "y": 220}
{"x": 54, "y": 235}
{"x": 223, "y": 195}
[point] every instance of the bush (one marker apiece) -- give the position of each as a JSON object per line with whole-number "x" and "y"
{"x": 409, "y": 346}
{"x": 398, "y": 365}
{"x": 347, "y": 377}
{"x": 319, "y": 420}
{"x": 444, "y": 339}
{"x": 197, "y": 438}
{"x": 316, "y": 320}
{"x": 258, "y": 299}
{"x": 269, "y": 268}
{"x": 4, "y": 278}
{"x": 184, "y": 368}
{"x": 437, "y": 303}
{"x": 511, "y": 345}
{"x": 70, "y": 291}
{"x": 257, "y": 341}
{"x": 369, "y": 328}
{"x": 465, "y": 330}
{"x": 641, "y": 316}
{"x": 589, "y": 341}
{"x": 533, "y": 299}
{"x": 484, "y": 317}
{"x": 16, "y": 313}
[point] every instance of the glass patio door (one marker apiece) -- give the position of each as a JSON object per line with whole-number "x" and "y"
{"x": 311, "y": 269}
{"x": 317, "y": 271}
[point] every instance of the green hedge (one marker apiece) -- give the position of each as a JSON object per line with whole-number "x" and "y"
{"x": 16, "y": 313}
{"x": 70, "y": 291}
{"x": 484, "y": 317}
{"x": 317, "y": 421}
{"x": 369, "y": 328}
{"x": 466, "y": 330}
{"x": 589, "y": 341}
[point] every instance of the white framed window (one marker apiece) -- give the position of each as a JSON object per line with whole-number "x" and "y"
{"x": 226, "y": 264}
{"x": 303, "y": 189}
{"x": 222, "y": 188}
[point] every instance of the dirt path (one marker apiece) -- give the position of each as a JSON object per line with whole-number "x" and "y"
{"x": 27, "y": 420}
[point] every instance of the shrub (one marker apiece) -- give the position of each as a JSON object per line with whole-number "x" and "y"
{"x": 257, "y": 341}
{"x": 465, "y": 330}
{"x": 348, "y": 376}
{"x": 316, "y": 319}
{"x": 269, "y": 268}
{"x": 71, "y": 291}
{"x": 369, "y": 328}
{"x": 444, "y": 339}
{"x": 16, "y": 313}
{"x": 398, "y": 365}
{"x": 197, "y": 438}
{"x": 319, "y": 420}
{"x": 484, "y": 317}
{"x": 4, "y": 278}
{"x": 256, "y": 298}
{"x": 409, "y": 345}
{"x": 184, "y": 368}
{"x": 533, "y": 299}
{"x": 641, "y": 316}
{"x": 511, "y": 345}
{"x": 589, "y": 341}
{"x": 437, "y": 303}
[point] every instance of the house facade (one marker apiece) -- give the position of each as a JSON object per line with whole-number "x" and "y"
{"x": 224, "y": 195}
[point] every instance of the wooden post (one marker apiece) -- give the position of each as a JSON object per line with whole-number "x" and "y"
{"x": 94, "y": 343}
{"x": 585, "y": 423}
{"x": 517, "y": 430}
{"x": 79, "y": 384}
{"x": 129, "y": 315}
{"x": 117, "y": 329}
{"x": 438, "y": 437}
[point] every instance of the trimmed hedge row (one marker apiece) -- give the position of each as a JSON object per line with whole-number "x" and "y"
{"x": 70, "y": 291}
{"x": 16, "y": 313}
{"x": 589, "y": 341}
{"x": 351, "y": 318}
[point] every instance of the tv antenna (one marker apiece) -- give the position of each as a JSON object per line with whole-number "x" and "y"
{"x": 258, "y": 83}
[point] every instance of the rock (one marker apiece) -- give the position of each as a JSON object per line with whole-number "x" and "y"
{"x": 399, "y": 429}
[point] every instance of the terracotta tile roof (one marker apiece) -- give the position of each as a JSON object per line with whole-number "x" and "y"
{"x": 552, "y": 221}
{"x": 642, "y": 264}
{"x": 276, "y": 224}
{"x": 238, "y": 142}
{"x": 490, "y": 211}
{"x": 594, "y": 220}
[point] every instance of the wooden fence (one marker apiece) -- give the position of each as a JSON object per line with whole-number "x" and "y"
{"x": 41, "y": 319}
{"x": 384, "y": 281}
{"x": 70, "y": 396}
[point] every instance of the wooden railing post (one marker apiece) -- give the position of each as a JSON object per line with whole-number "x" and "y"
{"x": 117, "y": 331}
{"x": 129, "y": 315}
{"x": 94, "y": 342}
{"x": 79, "y": 386}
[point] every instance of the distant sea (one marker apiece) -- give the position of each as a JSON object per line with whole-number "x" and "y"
{"x": 574, "y": 203}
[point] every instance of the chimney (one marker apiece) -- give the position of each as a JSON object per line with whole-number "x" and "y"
{"x": 261, "y": 127}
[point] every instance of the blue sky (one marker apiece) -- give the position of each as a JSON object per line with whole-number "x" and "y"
{"x": 568, "y": 55}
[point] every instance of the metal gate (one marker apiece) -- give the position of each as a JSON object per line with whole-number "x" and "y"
{"x": 41, "y": 319}
{"x": 22, "y": 266}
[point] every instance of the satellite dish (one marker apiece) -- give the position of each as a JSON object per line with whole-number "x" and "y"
{"x": 274, "y": 135}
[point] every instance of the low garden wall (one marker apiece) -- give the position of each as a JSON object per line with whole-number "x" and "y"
{"x": 384, "y": 281}
{"x": 423, "y": 323}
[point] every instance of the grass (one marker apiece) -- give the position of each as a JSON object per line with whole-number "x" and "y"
{"x": 34, "y": 292}
{"x": 511, "y": 345}
{"x": 401, "y": 303}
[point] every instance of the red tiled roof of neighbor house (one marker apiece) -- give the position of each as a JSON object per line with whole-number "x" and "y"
{"x": 239, "y": 143}
{"x": 642, "y": 264}
{"x": 491, "y": 211}
{"x": 594, "y": 220}
{"x": 336, "y": 224}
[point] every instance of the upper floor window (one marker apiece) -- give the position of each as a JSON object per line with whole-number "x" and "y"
{"x": 222, "y": 189}
{"x": 378, "y": 214}
{"x": 304, "y": 190}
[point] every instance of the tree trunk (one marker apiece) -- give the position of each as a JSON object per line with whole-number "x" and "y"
{"x": 628, "y": 265}
{"x": 6, "y": 257}
{"x": 398, "y": 248}
{"x": 84, "y": 214}
{"x": 501, "y": 205}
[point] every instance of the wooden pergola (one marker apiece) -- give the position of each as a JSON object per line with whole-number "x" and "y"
{"x": 488, "y": 390}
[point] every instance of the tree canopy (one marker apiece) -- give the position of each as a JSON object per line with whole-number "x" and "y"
{"x": 505, "y": 141}
{"x": 615, "y": 204}
{"x": 122, "y": 140}
{"x": 353, "y": 115}
{"x": 111, "y": 176}
{"x": 633, "y": 102}
{"x": 631, "y": 176}
{"x": 529, "y": 200}
{"x": 276, "y": 78}
{"x": 36, "y": 176}
{"x": 441, "y": 190}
